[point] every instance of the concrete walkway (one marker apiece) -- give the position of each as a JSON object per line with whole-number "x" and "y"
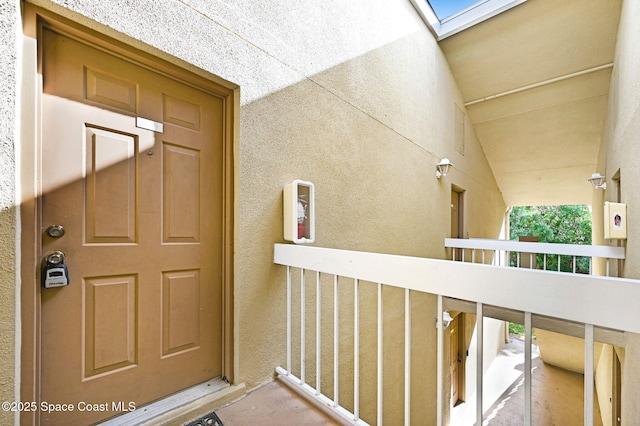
{"x": 557, "y": 394}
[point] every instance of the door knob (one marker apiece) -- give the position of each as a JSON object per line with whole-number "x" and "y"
{"x": 55, "y": 257}
{"x": 54, "y": 272}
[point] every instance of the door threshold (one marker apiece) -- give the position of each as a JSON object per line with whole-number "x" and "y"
{"x": 181, "y": 407}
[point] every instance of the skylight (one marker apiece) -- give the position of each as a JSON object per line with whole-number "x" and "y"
{"x": 448, "y": 17}
{"x": 446, "y": 8}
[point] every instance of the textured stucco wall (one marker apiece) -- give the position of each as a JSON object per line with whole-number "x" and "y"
{"x": 619, "y": 153}
{"x": 353, "y": 96}
{"x": 9, "y": 24}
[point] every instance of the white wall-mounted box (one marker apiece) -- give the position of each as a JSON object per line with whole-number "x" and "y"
{"x": 615, "y": 221}
{"x": 299, "y": 212}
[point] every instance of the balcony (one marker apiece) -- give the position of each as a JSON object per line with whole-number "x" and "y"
{"x": 362, "y": 328}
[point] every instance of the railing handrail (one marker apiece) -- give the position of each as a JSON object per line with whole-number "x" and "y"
{"x": 600, "y": 301}
{"x": 607, "y": 252}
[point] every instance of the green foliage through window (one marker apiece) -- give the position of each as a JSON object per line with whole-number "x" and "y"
{"x": 570, "y": 224}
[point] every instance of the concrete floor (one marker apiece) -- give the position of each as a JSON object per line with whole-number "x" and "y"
{"x": 557, "y": 399}
{"x": 273, "y": 404}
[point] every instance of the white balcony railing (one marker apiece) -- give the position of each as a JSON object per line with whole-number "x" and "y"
{"x": 602, "y": 307}
{"x": 496, "y": 252}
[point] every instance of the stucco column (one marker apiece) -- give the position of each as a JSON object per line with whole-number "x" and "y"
{"x": 10, "y": 19}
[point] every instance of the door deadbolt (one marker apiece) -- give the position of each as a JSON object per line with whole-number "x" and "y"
{"x": 55, "y": 231}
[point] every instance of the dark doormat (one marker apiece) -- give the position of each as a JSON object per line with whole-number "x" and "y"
{"x": 210, "y": 419}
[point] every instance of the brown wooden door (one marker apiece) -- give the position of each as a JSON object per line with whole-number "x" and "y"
{"x": 456, "y": 221}
{"x": 454, "y": 360}
{"x": 455, "y": 214}
{"x": 142, "y": 211}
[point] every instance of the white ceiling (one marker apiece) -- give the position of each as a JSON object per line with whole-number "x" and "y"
{"x": 542, "y": 142}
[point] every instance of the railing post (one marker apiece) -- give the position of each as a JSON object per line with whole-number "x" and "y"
{"x": 318, "y": 335}
{"x": 407, "y": 358}
{"x": 479, "y": 362}
{"x": 288, "y": 319}
{"x": 356, "y": 350}
{"x": 380, "y": 357}
{"x": 588, "y": 375}
{"x": 527, "y": 368}
{"x": 336, "y": 342}
{"x": 440, "y": 364}
{"x": 303, "y": 331}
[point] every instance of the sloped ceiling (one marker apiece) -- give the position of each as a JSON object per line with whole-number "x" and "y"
{"x": 535, "y": 80}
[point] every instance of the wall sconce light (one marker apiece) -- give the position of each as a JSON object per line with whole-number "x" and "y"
{"x": 442, "y": 168}
{"x": 598, "y": 181}
{"x": 446, "y": 319}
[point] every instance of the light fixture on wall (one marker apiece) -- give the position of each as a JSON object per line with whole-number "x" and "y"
{"x": 442, "y": 168}
{"x": 446, "y": 319}
{"x": 598, "y": 181}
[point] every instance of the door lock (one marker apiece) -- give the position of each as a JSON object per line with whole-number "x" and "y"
{"x": 54, "y": 272}
{"x": 55, "y": 231}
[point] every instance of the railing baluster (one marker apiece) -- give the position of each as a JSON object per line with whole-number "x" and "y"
{"x": 574, "y": 264}
{"x": 407, "y": 358}
{"x": 545, "y": 262}
{"x": 380, "y": 356}
{"x": 288, "y": 319}
{"x": 559, "y": 260}
{"x": 303, "y": 326}
{"x": 356, "y": 351}
{"x": 530, "y": 260}
{"x": 336, "y": 341}
{"x": 473, "y": 256}
{"x": 607, "y": 273}
{"x": 318, "y": 334}
{"x": 588, "y": 375}
{"x": 440, "y": 364}
{"x": 479, "y": 361}
{"x": 527, "y": 368}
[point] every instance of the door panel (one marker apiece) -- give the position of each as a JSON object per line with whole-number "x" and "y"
{"x": 142, "y": 316}
{"x": 110, "y": 190}
{"x": 109, "y": 340}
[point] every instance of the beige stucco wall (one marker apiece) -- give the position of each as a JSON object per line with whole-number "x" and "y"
{"x": 9, "y": 53}
{"x": 619, "y": 153}
{"x": 353, "y": 96}
{"x": 565, "y": 351}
